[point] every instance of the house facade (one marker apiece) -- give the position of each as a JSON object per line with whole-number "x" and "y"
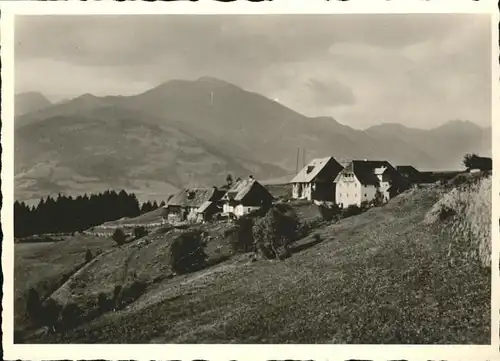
{"x": 192, "y": 205}
{"x": 245, "y": 196}
{"x": 364, "y": 181}
{"x": 316, "y": 180}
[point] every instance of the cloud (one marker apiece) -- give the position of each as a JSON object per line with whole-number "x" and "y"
{"x": 360, "y": 69}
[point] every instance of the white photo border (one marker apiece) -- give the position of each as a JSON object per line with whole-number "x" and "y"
{"x": 10, "y": 9}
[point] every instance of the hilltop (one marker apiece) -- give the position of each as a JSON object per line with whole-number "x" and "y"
{"x": 384, "y": 276}
{"x": 30, "y": 102}
{"x": 187, "y": 133}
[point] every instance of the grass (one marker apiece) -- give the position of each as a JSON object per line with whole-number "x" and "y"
{"x": 469, "y": 208}
{"x": 379, "y": 277}
{"x": 44, "y": 266}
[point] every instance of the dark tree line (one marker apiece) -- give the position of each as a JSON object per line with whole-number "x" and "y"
{"x": 67, "y": 214}
{"x": 148, "y": 206}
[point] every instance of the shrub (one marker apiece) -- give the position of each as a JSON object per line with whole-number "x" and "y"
{"x": 241, "y": 235}
{"x": 130, "y": 292}
{"x": 187, "y": 252}
{"x": 50, "y": 313}
{"x": 274, "y": 233}
{"x": 34, "y": 306}
{"x": 71, "y": 315}
{"x": 352, "y": 210}
{"x": 119, "y": 236}
{"x": 140, "y": 232}
{"x": 329, "y": 212}
{"x": 103, "y": 303}
{"x": 88, "y": 256}
{"x": 317, "y": 237}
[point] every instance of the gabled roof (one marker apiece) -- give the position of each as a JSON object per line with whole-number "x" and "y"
{"x": 193, "y": 197}
{"x": 311, "y": 171}
{"x": 406, "y": 169}
{"x": 239, "y": 190}
{"x": 366, "y": 170}
{"x": 204, "y": 207}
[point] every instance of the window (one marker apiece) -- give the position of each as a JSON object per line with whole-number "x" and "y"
{"x": 365, "y": 194}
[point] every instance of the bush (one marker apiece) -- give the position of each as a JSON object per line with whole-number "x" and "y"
{"x": 50, "y": 313}
{"x": 34, "y": 306}
{"x": 317, "y": 237}
{"x": 329, "y": 213}
{"x": 350, "y": 211}
{"x": 88, "y": 256}
{"x": 187, "y": 252}
{"x": 275, "y": 232}
{"x": 103, "y": 303}
{"x": 130, "y": 293}
{"x": 241, "y": 235}
{"x": 119, "y": 236}
{"x": 71, "y": 315}
{"x": 140, "y": 232}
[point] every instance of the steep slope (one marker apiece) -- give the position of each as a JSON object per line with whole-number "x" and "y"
{"x": 29, "y": 102}
{"x": 390, "y": 283}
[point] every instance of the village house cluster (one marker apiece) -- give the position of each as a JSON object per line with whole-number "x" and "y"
{"x": 323, "y": 180}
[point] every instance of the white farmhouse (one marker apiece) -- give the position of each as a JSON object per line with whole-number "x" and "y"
{"x": 362, "y": 181}
{"x": 245, "y": 196}
{"x": 315, "y": 180}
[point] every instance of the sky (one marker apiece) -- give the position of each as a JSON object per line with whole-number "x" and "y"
{"x": 419, "y": 70}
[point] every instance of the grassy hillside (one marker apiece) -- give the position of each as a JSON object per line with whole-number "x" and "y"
{"x": 44, "y": 266}
{"x": 71, "y": 154}
{"x": 384, "y": 276}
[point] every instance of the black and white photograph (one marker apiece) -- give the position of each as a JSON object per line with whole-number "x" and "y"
{"x": 252, "y": 179}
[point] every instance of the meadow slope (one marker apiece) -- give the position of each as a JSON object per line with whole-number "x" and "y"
{"x": 380, "y": 277}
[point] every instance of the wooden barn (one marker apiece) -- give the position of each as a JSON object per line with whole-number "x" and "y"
{"x": 193, "y": 205}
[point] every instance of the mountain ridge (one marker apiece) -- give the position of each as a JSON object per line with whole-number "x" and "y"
{"x": 242, "y": 131}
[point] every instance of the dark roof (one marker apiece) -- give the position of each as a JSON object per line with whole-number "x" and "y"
{"x": 194, "y": 197}
{"x": 406, "y": 169}
{"x": 365, "y": 170}
{"x": 311, "y": 171}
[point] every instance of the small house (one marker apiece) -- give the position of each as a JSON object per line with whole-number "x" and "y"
{"x": 193, "y": 205}
{"x": 363, "y": 181}
{"x": 245, "y": 196}
{"x": 316, "y": 180}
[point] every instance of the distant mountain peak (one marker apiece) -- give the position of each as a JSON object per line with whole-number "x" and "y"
{"x": 211, "y": 79}
{"x": 458, "y": 123}
{"x": 30, "y": 101}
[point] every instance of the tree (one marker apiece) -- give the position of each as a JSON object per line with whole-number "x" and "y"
{"x": 229, "y": 180}
{"x": 187, "y": 252}
{"x": 34, "y": 306}
{"x": 119, "y": 236}
{"x": 241, "y": 235}
{"x": 88, "y": 256}
{"x": 378, "y": 200}
{"x": 275, "y": 232}
{"x": 473, "y": 161}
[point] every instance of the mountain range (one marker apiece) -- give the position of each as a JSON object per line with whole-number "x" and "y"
{"x": 193, "y": 133}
